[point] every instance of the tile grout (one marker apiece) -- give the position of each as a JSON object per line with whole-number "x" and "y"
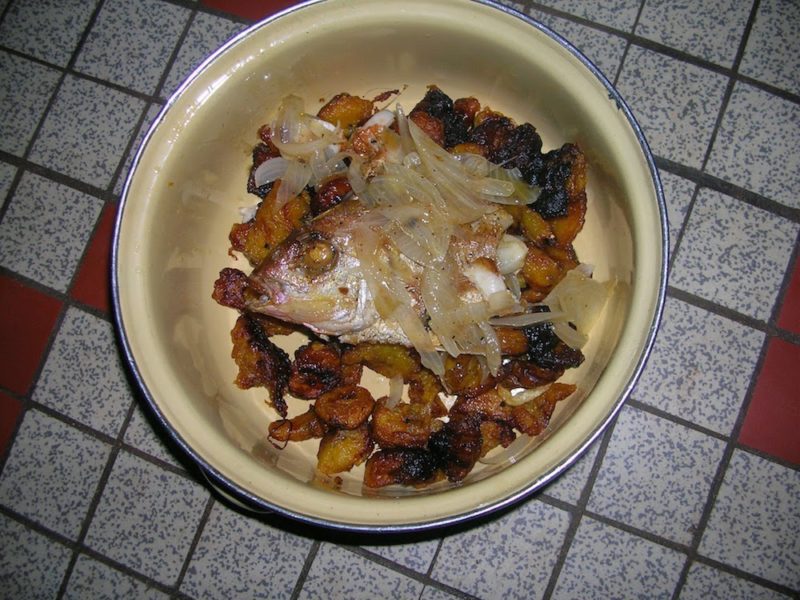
{"x": 580, "y": 508}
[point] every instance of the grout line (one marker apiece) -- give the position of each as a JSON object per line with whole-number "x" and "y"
{"x": 99, "y": 490}
{"x": 663, "y": 414}
{"x": 681, "y": 232}
{"x": 580, "y": 509}
{"x": 729, "y": 189}
{"x": 435, "y": 557}
{"x": 671, "y": 52}
{"x": 301, "y": 578}
{"x": 722, "y": 467}
{"x": 406, "y": 571}
{"x": 175, "y": 51}
{"x": 726, "y": 98}
{"x": 58, "y": 538}
{"x": 195, "y": 541}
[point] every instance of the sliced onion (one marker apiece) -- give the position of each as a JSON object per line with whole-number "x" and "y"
{"x": 568, "y": 335}
{"x": 358, "y": 182}
{"x": 383, "y": 117}
{"x": 395, "y": 391}
{"x": 475, "y": 164}
{"x": 522, "y": 192}
{"x": 527, "y": 319}
{"x": 294, "y": 181}
{"x": 581, "y": 298}
{"x": 270, "y": 170}
{"x": 525, "y": 396}
{"x": 511, "y": 253}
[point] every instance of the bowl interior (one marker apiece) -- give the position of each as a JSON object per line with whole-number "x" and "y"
{"x": 188, "y": 184}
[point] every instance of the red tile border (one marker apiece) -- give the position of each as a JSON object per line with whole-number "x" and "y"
{"x": 92, "y": 284}
{"x": 253, "y": 10}
{"x": 772, "y": 422}
{"x": 27, "y": 317}
{"x": 10, "y": 408}
{"x": 789, "y": 316}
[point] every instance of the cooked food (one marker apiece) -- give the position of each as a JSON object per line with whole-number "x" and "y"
{"x": 433, "y": 248}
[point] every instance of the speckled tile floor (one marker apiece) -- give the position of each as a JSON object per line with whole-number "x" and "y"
{"x": 694, "y": 492}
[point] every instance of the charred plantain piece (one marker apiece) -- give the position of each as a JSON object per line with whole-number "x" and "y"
{"x": 345, "y": 407}
{"x": 270, "y": 226}
{"x": 562, "y": 179}
{"x": 330, "y": 193}
{"x": 401, "y": 466}
{"x": 347, "y": 111}
{"x": 533, "y": 417}
{"x": 342, "y": 449}
{"x": 304, "y": 426}
{"x": 457, "y": 446}
{"x": 404, "y": 426}
{"x": 317, "y": 369}
{"x": 548, "y": 351}
{"x": 230, "y": 288}
{"x": 261, "y": 363}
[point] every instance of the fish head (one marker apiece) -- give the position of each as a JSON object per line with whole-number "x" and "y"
{"x": 313, "y": 278}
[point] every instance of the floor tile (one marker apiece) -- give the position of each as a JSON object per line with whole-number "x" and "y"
{"x": 772, "y": 54}
{"x": 31, "y": 565}
{"x": 696, "y": 27}
{"x": 140, "y": 434}
{"x": 149, "y": 117}
{"x": 95, "y": 580}
{"x": 206, "y": 34}
{"x": 758, "y": 145}
{"x": 605, "y": 562}
{"x": 704, "y": 582}
{"x": 678, "y": 194}
{"x": 7, "y": 174}
{"x": 620, "y": 14}
{"x": 675, "y": 102}
{"x": 773, "y": 417}
{"x": 83, "y": 376}
{"x": 20, "y": 112}
{"x": 56, "y": 220}
{"x": 734, "y": 254}
{"x": 789, "y": 317}
{"x": 432, "y": 593}
{"x": 86, "y": 131}
{"x": 656, "y": 475}
{"x": 510, "y": 557}
{"x": 700, "y": 366}
{"x": 605, "y": 50}
{"x": 52, "y": 473}
{"x": 239, "y": 556}
{"x": 147, "y": 518}
{"x": 755, "y": 523}
{"x": 417, "y": 555}
{"x": 339, "y": 573}
{"x": 570, "y": 485}
{"x": 27, "y": 319}
{"x": 252, "y": 10}
{"x": 134, "y": 57}
{"x": 10, "y": 409}
{"x": 47, "y": 29}
{"x": 92, "y": 284}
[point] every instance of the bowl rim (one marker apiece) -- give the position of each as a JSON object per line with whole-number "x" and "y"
{"x": 234, "y": 493}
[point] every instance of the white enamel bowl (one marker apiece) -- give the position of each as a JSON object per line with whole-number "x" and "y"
{"x": 188, "y": 182}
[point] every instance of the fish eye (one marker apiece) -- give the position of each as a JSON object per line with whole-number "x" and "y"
{"x": 319, "y": 257}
